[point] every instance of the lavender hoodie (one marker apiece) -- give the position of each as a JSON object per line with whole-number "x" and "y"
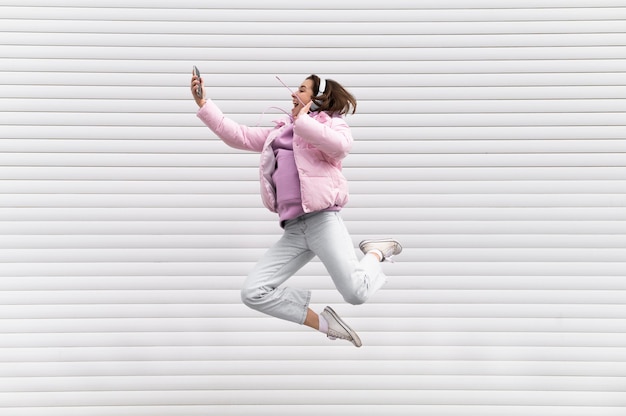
{"x": 320, "y": 143}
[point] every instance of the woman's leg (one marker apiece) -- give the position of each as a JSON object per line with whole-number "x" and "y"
{"x": 356, "y": 280}
{"x": 323, "y": 234}
{"x": 261, "y": 289}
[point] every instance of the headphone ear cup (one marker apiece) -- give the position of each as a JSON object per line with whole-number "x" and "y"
{"x": 314, "y": 105}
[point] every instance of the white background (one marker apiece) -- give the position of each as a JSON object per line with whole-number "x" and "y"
{"x": 491, "y": 140}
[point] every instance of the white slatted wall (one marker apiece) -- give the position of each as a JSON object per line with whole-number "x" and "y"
{"x": 491, "y": 140}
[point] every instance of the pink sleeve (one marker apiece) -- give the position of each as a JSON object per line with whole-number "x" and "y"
{"x": 232, "y": 133}
{"x": 331, "y": 136}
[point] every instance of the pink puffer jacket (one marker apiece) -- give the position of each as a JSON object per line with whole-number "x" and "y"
{"x": 320, "y": 143}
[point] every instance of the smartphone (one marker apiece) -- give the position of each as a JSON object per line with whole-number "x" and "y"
{"x": 196, "y": 72}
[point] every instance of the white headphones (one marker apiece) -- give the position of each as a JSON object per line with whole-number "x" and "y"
{"x": 322, "y": 86}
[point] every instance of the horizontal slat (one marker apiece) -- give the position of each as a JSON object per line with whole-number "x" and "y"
{"x": 296, "y": 397}
{"x": 175, "y": 254}
{"x": 315, "y": 410}
{"x": 314, "y": 53}
{"x": 245, "y": 186}
{"x": 267, "y": 95}
{"x": 358, "y": 160}
{"x": 364, "y": 107}
{"x": 169, "y": 32}
{"x": 300, "y": 382}
{"x": 402, "y": 120}
{"x": 209, "y": 146}
{"x": 362, "y": 133}
{"x": 145, "y": 180}
{"x": 310, "y": 278}
{"x": 352, "y": 214}
{"x": 238, "y": 227}
{"x": 375, "y": 310}
{"x": 346, "y": 68}
{"x": 501, "y": 269}
{"x": 527, "y": 297}
{"x": 331, "y": 5}
{"x": 274, "y": 367}
{"x": 378, "y": 325}
{"x": 335, "y": 35}
{"x": 422, "y": 13}
{"x": 383, "y": 199}
{"x": 332, "y": 352}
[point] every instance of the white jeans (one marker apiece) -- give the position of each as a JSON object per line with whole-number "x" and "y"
{"x": 323, "y": 234}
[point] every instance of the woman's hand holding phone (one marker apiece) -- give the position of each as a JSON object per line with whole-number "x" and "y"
{"x": 197, "y": 87}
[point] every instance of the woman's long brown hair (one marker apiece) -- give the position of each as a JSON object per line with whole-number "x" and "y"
{"x": 335, "y": 99}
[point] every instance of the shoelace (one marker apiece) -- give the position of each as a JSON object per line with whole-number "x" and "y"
{"x": 389, "y": 259}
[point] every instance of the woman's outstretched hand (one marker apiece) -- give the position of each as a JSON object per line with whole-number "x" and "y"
{"x": 195, "y": 84}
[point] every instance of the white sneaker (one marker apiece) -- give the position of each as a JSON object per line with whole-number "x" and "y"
{"x": 387, "y": 246}
{"x": 337, "y": 328}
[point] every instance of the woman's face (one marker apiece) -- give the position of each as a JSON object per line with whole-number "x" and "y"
{"x": 304, "y": 93}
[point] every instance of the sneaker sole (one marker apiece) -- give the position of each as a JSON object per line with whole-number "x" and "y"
{"x": 355, "y": 337}
{"x": 381, "y": 240}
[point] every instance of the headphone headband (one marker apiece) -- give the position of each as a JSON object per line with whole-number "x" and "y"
{"x": 322, "y": 86}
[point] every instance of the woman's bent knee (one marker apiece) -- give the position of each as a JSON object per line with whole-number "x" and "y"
{"x": 251, "y": 297}
{"x": 355, "y": 298}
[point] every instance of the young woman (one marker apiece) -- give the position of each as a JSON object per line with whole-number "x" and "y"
{"x": 301, "y": 181}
